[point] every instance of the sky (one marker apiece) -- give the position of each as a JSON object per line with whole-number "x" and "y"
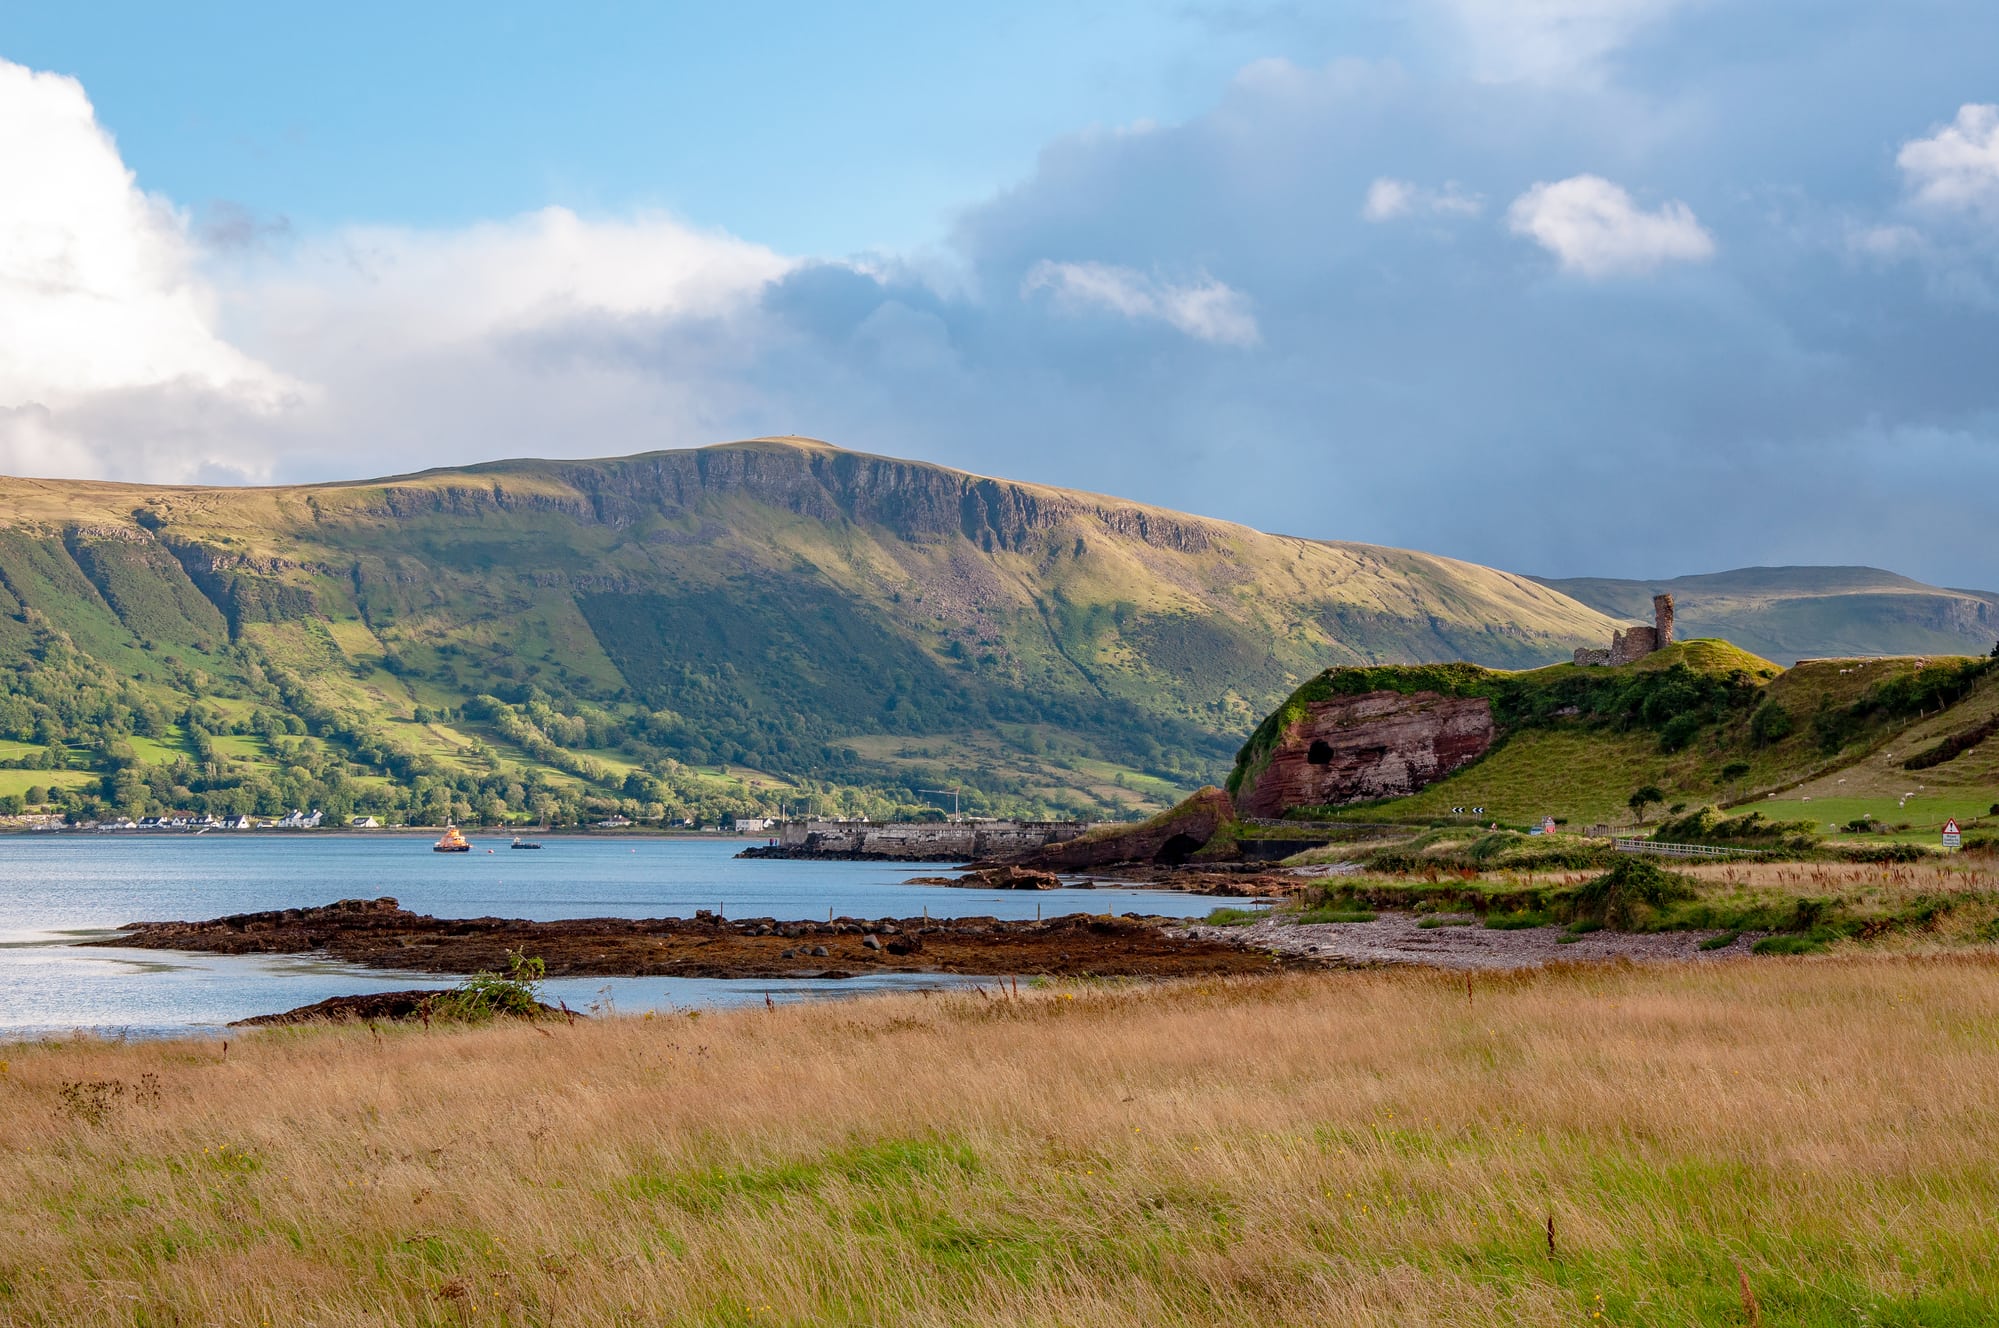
{"x": 1571, "y": 287}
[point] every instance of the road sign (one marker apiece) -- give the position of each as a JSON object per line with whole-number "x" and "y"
{"x": 1478, "y": 811}
{"x": 1951, "y": 837}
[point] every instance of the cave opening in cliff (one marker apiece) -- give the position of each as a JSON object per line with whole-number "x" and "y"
{"x": 1321, "y": 752}
{"x": 1175, "y": 851}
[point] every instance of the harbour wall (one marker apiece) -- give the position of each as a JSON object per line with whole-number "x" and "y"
{"x": 915, "y": 841}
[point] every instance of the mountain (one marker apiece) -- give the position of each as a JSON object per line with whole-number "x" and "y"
{"x": 1793, "y": 613}
{"x": 683, "y": 632}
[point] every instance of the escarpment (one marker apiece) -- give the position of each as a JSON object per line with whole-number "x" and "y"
{"x": 1376, "y": 745}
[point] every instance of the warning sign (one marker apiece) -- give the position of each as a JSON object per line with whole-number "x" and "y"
{"x": 1951, "y": 837}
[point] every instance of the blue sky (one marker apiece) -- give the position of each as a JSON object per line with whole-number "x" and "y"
{"x": 1613, "y": 287}
{"x": 825, "y": 129}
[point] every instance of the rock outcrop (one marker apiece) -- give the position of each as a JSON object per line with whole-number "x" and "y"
{"x": 1171, "y": 837}
{"x": 1375, "y": 745}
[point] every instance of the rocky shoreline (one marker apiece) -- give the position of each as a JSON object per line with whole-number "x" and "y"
{"x": 379, "y": 933}
{"x": 1458, "y": 942}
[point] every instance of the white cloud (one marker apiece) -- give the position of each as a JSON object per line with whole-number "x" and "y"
{"x": 1390, "y": 199}
{"x": 1550, "y": 40}
{"x": 99, "y": 287}
{"x": 1956, "y": 169}
{"x": 1593, "y": 227}
{"x": 1204, "y": 308}
{"x": 365, "y": 349}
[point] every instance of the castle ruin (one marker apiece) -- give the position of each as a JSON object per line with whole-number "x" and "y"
{"x": 1636, "y": 643}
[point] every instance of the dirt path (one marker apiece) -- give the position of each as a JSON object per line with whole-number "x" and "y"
{"x": 1395, "y": 938}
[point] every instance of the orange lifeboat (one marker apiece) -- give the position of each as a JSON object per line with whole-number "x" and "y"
{"x": 453, "y": 842}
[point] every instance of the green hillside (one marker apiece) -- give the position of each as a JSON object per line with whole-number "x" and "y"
{"x": 682, "y": 633}
{"x": 1703, "y": 722}
{"x": 1793, "y": 613}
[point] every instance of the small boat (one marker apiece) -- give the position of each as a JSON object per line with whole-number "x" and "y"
{"x": 453, "y": 842}
{"x": 523, "y": 843}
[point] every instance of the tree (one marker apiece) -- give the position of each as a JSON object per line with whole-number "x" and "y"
{"x": 1771, "y": 723}
{"x": 1644, "y": 798}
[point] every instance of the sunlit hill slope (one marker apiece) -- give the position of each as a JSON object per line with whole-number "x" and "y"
{"x": 683, "y": 632}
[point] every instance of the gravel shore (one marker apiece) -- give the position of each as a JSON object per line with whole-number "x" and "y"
{"x": 1395, "y": 938}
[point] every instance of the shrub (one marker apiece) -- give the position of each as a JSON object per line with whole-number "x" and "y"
{"x": 1770, "y": 724}
{"x": 1520, "y": 921}
{"x": 1952, "y": 747}
{"x": 485, "y": 995}
{"x": 1232, "y": 917}
{"x": 1679, "y": 731}
{"x": 1722, "y": 941}
{"x": 1629, "y": 893}
{"x": 1707, "y": 825}
{"x": 1787, "y": 944}
{"x": 1883, "y": 853}
{"x": 1335, "y": 915}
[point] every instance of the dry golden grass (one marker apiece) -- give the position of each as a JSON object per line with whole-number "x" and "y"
{"x": 1369, "y": 1148}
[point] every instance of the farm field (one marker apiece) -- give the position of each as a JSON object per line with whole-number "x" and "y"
{"x": 1784, "y": 1141}
{"x": 20, "y": 781}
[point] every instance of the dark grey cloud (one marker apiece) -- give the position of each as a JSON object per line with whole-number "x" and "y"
{"x": 1440, "y": 381}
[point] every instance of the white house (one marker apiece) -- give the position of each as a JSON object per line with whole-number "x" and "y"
{"x": 365, "y": 823}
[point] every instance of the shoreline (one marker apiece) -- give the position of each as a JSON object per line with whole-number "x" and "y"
{"x": 379, "y": 933}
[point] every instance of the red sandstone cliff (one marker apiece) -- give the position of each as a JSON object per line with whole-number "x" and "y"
{"x": 1376, "y": 745}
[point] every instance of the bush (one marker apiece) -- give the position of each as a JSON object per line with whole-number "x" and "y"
{"x": 1707, "y": 825}
{"x": 1629, "y": 893}
{"x": 1787, "y": 944}
{"x": 1883, "y": 853}
{"x": 1678, "y": 732}
{"x": 1335, "y": 915}
{"x": 1232, "y": 917}
{"x": 1722, "y": 941}
{"x": 486, "y": 995}
{"x": 1770, "y": 724}
{"x": 1952, "y": 747}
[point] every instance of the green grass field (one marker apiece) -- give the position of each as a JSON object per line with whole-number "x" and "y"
{"x": 1924, "y": 814}
{"x": 20, "y": 781}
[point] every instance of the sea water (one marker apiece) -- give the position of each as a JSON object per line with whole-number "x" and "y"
{"x": 60, "y": 888}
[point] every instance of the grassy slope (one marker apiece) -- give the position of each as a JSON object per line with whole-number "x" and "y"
{"x": 1793, "y": 613}
{"x": 1375, "y": 1149}
{"x": 1584, "y": 773}
{"x": 766, "y": 569}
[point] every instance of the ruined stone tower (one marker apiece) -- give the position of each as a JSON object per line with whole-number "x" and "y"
{"x": 1662, "y": 620}
{"x": 1636, "y": 643}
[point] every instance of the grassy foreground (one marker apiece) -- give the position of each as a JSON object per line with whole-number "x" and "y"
{"x": 1370, "y": 1148}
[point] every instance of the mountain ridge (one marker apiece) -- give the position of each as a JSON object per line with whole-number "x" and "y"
{"x": 1789, "y": 613}
{"x": 813, "y": 613}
